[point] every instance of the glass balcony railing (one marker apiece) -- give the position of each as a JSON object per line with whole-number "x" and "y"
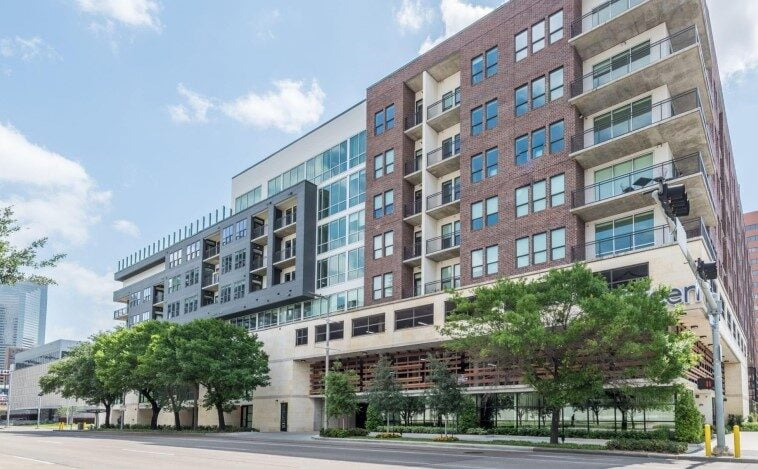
{"x": 211, "y": 251}
{"x": 446, "y": 241}
{"x": 441, "y": 285}
{"x": 602, "y": 14}
{"x": 120, "y": 313}
{"x": 443, "y": 197}
{"x": 623, "y": 243}
{"x": 633, "y": 59}
{"x": 634, "y": 117}
{"x": 158, "y": 297}
{"x": 284, "y": 254}
{"x": 696, "y": 228}
{"x": 257, "y": 262}
{"x": 209, "y": 279}
{"x": 448, "y": 101}
{"x": 259, "y": 230}
{"x": 285, "y": 220}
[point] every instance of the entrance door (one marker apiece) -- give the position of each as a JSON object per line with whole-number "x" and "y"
{"x": 246, "y": 416}
{"x": 360, "y": 415}
{"x": 283, "y": 417}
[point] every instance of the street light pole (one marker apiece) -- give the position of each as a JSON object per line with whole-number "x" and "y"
{"x": 8, "y": 406}
{"x": 39, "y": 407}
{"x": 326, "y": 362}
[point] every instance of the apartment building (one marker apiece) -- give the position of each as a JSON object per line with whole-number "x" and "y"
{"x": 532, "y": 139}
{"x": 750, "y": 222}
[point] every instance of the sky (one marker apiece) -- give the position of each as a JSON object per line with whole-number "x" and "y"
{"x": 123, "y": 120}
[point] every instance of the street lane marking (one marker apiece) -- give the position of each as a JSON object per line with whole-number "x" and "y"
{"x": 147, "y": 452}
{"x": 30, "y": 459}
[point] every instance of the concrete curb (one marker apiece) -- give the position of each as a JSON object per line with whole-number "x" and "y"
{"x": 535, "y": 449}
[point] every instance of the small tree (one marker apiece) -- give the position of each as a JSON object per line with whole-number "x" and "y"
{"x": 75, "y": 377}
{"x": 467, "y": 415}
{"x": 373, "y": 418}
{"x": 341, "y": 400}
{"x": 444, "y": 396}
{"x": 15, "y": 262}
{"x": 384, "y": 392}
{"x": 688, "y": 421}
{"x": 161, "y": 359}
{"x": 412, "y": 405}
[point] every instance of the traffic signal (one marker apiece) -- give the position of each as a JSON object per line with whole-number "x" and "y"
{"x": 674, "y": 200}
{"x": 707, "y": 270}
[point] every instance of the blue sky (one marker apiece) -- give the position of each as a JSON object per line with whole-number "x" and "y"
{"x": 122, "y": 120}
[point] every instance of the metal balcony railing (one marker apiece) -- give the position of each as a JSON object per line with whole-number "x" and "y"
{"x": 413, "y": 166}
{"x": 623, "y": 244}
{"x": 284, "y": 254}
{"x": 413, "y": 208}
{"x": 414, "y": 119}
{"x": 285, "y": 220}
{"x": 158, "y": 297}
{"x": 413, "y": 251}
{"x": 443, "y": 242}
{"x": 696, "y": 228}
{"x": 443, "y": 284}
{"x": 121, "y": 313}
{"x": 637, "y": 180}
{"x": 211, "y": 251}
{"x": 443, "y": 197}
{"x": 637, "y": 118}
{"x": 259, "y": 230}
{"x": 634, "y": 59}
{"x": 601, "y": 14}
{"x": 444, "y": 152}
{"x": 445, "y": 104}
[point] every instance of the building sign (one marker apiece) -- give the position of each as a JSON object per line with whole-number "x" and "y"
{"x": 684, "y": 295}
{"x": 705, "y": 383}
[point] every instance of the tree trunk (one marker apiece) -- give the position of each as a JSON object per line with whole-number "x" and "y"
{"x": 156, "y": 410}
{"x": 220, "y": 411}
{"x": 177, "y": 420}
{"x": 554, "y": 425}
{"x": 624, "y": 423}
{"x": 445, "y": 424}
{"x": 388, "y": 423}
{"x": 107, "y": 414}
{"x": 196, "y": 408}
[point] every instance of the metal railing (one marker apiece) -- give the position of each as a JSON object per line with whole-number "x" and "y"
{"x": 443, "y": 284}
{"x": 209, "y": 279}
{"x": 637, "y": 180}
{"x": 638, "y": 119}
{"x": 445, "y": 104}
{"x": 601, "y": 14}
{"x": 413, "y": 166}
{"x": 443, "y": 197}
{"x": 211, "y": 251}
{"x": 623, "y": 244}
{"x": 444, "y": 152}
{"x": 414, "y": 119}
{"x": 259, "y": 230}
{"x": 158, "y": 297}
{"x": 121, "y": 313}
{"x": 696, "y": 228}
{"x": 284, "y": 254}
{"x": 443, "y": 242}
{"x": 285, "y": 220}
{"x": 413, "y": 251}
{"x": 635, "y": 58}
{"x": 413, "y": 208}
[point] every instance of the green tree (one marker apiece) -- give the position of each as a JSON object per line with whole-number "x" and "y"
{"x": 444, "y": 397}
{"x": 341, "y": 399}
{"x": 467, "y": 415}
{"x": 161, "y": 358}
{"x": 373, "y": 418}
{"x": 384, "y": 392}
{"x": 228, "y": 362}
{"x": 568, "y": 335}
{"x": 74, "y": 377}
{"x": 14, "y": 262}
{"x": 688, "y": 421}
{"x": 411, "y": 405}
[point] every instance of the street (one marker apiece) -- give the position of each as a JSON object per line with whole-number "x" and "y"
{"x": 33, "y": 449}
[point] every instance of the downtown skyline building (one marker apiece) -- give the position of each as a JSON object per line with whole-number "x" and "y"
{"x": 532, "y": 139}
{"x": 23, "y": 315}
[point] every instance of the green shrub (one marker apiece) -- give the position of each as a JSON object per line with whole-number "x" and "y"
{"x": 652, "y": 446}
{"x": 373, "y": 418}
{"x": 733, "y": 420}
{"x": 342, "y": 432}
{"x": 688, "y": 422}
{"x": 467, "y": 417}
{"x": 388, "y": 436}
{"x": 445, "y": 438}
{"x": 749, "y": 427}
{"x": 478, "y": 431}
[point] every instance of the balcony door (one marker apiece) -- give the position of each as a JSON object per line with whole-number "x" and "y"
{"x": 621, "y": 177}
{"x": 624, "y": 234}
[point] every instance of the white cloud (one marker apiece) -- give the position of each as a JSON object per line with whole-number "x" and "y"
{"x": 133, "y": 13}
{"x": 456, "y": 15}
{"x": 51, "y": 194}
{"x": 126, "y": 227}
{"x": 27, "y": 49}
{"x": 264, "y": 26}
{"x": 412, "y": 15}
{"x": 194, "y": 110}
{"x": 735, "y": 31}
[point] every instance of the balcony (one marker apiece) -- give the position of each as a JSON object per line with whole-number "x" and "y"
{"x": 413, "y": 125}
{"x": 211, "y": 253}
{"x": 158, "y": 298}
{"x": 284, "y": 258}
{"x": 259, "y": 234}
{"x": 258, "y": 265}
{"x": 412, "y": 213}
{"x": 623, "y": 244}
{"x": 617, "y": 21}
{"x": 412, "y": 254}
{"x": 444, "y": 247}
{"x": 444, "y": 203}
{"x": 446, "y": 112}
{"x": 412, "y": 172}
{"x": 675, "y": 61}
{"x": 677, "y": 121}
{"x": 634, "y": 190}
{"x": 210, "y": 281}
{"x": 442, "y": 285}
{"x": 120, "y": 314}
{"x": 445, "y": 159}
{"x": 286, "y": 224}
{"x": 696, "y": 228}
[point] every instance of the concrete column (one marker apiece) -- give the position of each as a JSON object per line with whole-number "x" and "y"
{"x": 429, "y": 183}
{"x": 704, "y": 402}
{"x": 736, "y": 389}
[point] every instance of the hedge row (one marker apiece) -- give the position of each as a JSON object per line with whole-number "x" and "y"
{"x": 660, "y": 434}
{"x": 653, "y": 446}
{"x": 342, "y": 433}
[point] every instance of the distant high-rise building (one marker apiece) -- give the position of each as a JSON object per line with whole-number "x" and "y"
{"x": 23, "y": 310}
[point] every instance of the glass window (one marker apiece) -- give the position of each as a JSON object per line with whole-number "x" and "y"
{"x": 389, "y": 113}
{"x": 538, "y": 143}
{"x": 538, "y": 196}
{"x": 556, "y": 137}
{"x": 357, "y": 149}
{"x": 522, "y": 252}
{"x": 336, "y": 331}
{"x": 378, "y": 166}
{"x": 556, "y": 26}
{"x": 522, "y": 149}
{"x": 538, "y": 36}
{"x": 240, "y": 259}
{"x": 379, "y": 122}
{"x": 373, "y": 324}
{"x": 522, "y": 201}
{"x": 539, "y": 245}
{"x": 491, "y": 157}
{"x": 330, "y": 271}
{"x": 491, "y": 58}
{"x": 355, "y": 263}
{"x": 389, "y": 161}
{"x": 491, "y": 253}
{"x": 521, "y": 45}
{"x": 477, "y": 216}
{"x": 332, "y": 198}
{"x": 477, "y": 263}
{"x": 389, "y": 243}
{"x": 477, "y": 69}
{"x": 538, "y": 92}
{"x": 491, "y": 207}
{"x": 389, "y": 202}
{"x": 356, "y": 222}
{"x": 378, "y": 206}
{"x": 522, "y": 100}
{"x": 377, "y": 287}
{"x": 226, "y": 264}
{"x": 301, "y": 336}
{"x": 477, "y": 170}
{"x": 331, "y": 235}
{"x": 624, "y": 234}
{"x": 388, "y": 280}
{"x": 357, "y": 186}
{"x": 378, "y": 246}
{"x": 414, "y": 317}
{"x": 557, "y": 190}
{"x": 227, "y": 234}
{"x": 556, "y": 84}
{"x": 477, "y": 117}
{"x": 491, "y": 111}
{"x": 558, "y": 244}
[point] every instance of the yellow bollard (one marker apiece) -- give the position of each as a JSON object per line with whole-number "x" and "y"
{"x": 707, "y": 439}
{"x": 736, "y": 433}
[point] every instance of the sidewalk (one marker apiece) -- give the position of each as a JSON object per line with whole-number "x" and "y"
{"x": 748, "y": 444}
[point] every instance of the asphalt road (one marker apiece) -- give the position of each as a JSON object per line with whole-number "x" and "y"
{"x": 36, "y": 449}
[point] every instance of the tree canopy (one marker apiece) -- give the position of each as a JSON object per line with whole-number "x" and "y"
{"x": 16, "y": 262}
{"x": 444, "y": 396}
{"x": 340, "y": 392}
{"x": 384, "y": 393}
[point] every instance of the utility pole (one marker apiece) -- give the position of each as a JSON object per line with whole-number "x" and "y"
{"x": 39, "y": 407}
{"x": 8, "y": 406}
